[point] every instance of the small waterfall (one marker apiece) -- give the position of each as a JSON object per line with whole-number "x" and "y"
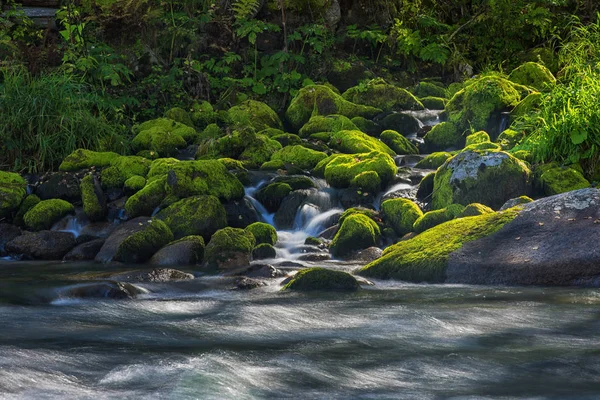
{"x": 71, "y": 224}
{"x": 264, "y": 215}
{"x": 504, "y": 122}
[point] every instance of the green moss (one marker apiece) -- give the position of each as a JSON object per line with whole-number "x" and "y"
{"x": 273, "y": 165}
{"x": 357, "y": 232}
{"x": 329, "y": 123}
{"x": 516, "y": 202}
{"x": 46, "y": 213}
{"x": 444, "y": 135}
{"x": 198, "y": 215}
{"x": 436, "y": 217}
{"x": 353, "y": 142}
{"x": 313, "y": 241}
{"x": 287, "y": 139}
{"x": 320, "y": 100}
{"x": 483, "y": 146}
{"x": 179, "y": 115}
{"x": 528, "y": 105}
{"x": 398, "y": 143}
{"x": 554, "y": 179}
{"x": 379, "y": 94}
{"x": 94, "y": 205}
{"x": 272, "y": 195}
{"x": 142, "y": 245}
{"x": 433, "y": 103}
{"x": 299, "y": 156}
{"x": 367, "y": 126}
{"x": 425, "y": 257}
{"x": 246, "y": 146}
{"x": 510, "y": 138}
{"x": 434, "y": 160}
{"x": 225, "y": 243}
{"x": 203, "y": 114}
{"x": 367, "y": 182}
{"x": 367, "y": 212}
{"x": 146, "y": 200}
{"x": 428, "y": 89}
{"x": 161, "y": 166}
{"x": 342, "y": 168}
{"x": 149, "y": 154}
{"x": 271, "y": 132}
{"x": 322, "y": 136}
{"x": 263, "y": 233}
{"x": 523, "y": 155}
{"x": 163, "y": 136}
{"x": 322, "y": 279}
{"x": 454, "y": 88}
{"x": 232, "y": 165}
{"x": 13, "y": 189}
{"x": 123, "y": 168}
{"x": 255, "y": 114}
{"x": 134, "y": 184}
{"x": 82, "y": 159}
{"x": 27, "y": 204}
{"x": 477, "y": 137}
{"x": 533, "y": 75}
{"x": 401, "y": 215}
{"x": 212, "y": 131}
{"x": 264, "y": 251}
{"x": 475, "y": 209}
{"x": 296, "y": 182}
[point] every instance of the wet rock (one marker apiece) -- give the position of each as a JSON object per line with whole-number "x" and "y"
{"x": 263, "y": 251}
{"x": 98, "y": 229}
{"x": 43, "y": 245}
{"x": 404, "y": 124}
{"x": 157, "y": 275}
{"x": 286, "y": 214}
{"x": 356, "y": 198}
{"x": 322, "y": 279}
{"x": 85, "y": 251}
{"x": 229, "y": 249}
{"x": 315, "y": 257}
{"x": 248, "y": 283}
{"x": 366, "y": 255}
{"x": 240, "y": 213}
{"x": 261, "y": 271}
{"x": 59, "y": 185}
{"x": 329, "y": 233}
{"x": 357, "y": 232}
{"x": 186, "y": 251}
{"x": 103, "y": 290}
{"x": 81, "y": 239}
{"x": 7, "y": 233}
{"x": 515, "y": 202}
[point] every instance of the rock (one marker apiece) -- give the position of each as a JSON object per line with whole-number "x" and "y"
{"x": 326, "y": 123}
{"x": 314, "y": 257}
{"x": 286, "y": 213}
{"x": 7, "y": 233}
{"x": 366, "y": 182}
{"x": 515, "y": 202}
{"x": 263, "y": 251}
{"x": 405, "y": 124}
{"x": 248, "y": 283}
{"x": 367, "y": 255}
{"x": 156, "y": 275}
{"x": 83, "y": 159}
{"x": 44, "y": 245}
{"x": 229, "y": 249}
{"x": 263, "y": 233}
{"x": 272, "y": 195}
{"x": 398, "y": 143}
{"x": 345, "y": 75}
{"x": 534, "y": 75}
{"x": 445, "y": 135}
{"x": 401, "y": 215}
{"x": 13, "y": 190}
{"x": 148, "y": 199}
{"x": 46, "y": 213}
{"x": 85, "y": 251}
{"x": 251, "y": 148}
{"x": 322, "y": 279}
{"x": 553, "y": 179}
{"x": 425, "y": 89}
{"x": 477, "y": 137}
{"x": 123, "y": 168}
{"x": 240, "y": 213}
{"x": 333, "y": 15}
{"x": 553, "y": 241}
{"x": 59, "y": 185}
{"x": 299, "y": 156}
{"x": 135, "y": 241}
{"x": 354, "y": 142}
{"x": 321, "y": 100}
{"x": 489, "y": 178}
{"x": 437, "y": 217}
{"x": 256, "y": 114}
{"x": 27, "y": 204}
{"x": 261, "y": 271}
{"x": 188, "y": 250}
{"x": 356, "y": 232}
{"x": 425, "y": 190}
{"x": 510, "y": 138}
{"x": 329, "y": 233}
{"x": 103, "y": 290}
{"x": 353, "y": 197}
{"x": 475, "y": 209}
{"x": 163, "y": 136}
{"x": 528, "y": 105}
{"x": 287, "y": 139}
{"x": 339, "y": 170}
{"x": 379, "y": 94}
{"x": 178, "y": 114}
{"x": 433, "y": 103}
{"x": 367, "y": 126}
{"x": 198, "y": 215}
{"x": 92, "y": 196}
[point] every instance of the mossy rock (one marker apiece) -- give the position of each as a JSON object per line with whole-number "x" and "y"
{"x": 367, "y": 182}
{"x": 434, "y": 160}
{"x": 134, "y": 184}
{"x": 263, "y": 233}
{"x": 401, "y": 215}
{"x": 554, "y": 179}
{"x": 436, "y": 217}
{"x": 428, "y": 89}
{"x": 324, "y": 137}
{"x": 246, "y": 146}
{"x": 356, "y": 232}
{"x": 528, "y": 105}
{"x": 123, "y": 168}
{"x": 178, "y": 114}
{"x": 92, "y": 197}
{"x": 516, "y": 202}
{"x": 229, "y": 248}
{"x": 367, "y": 126}
{"x": 487, "y": 177}
{"x": 264, "y": 251}
{"x": 477, "y": 137}
{"x": 475, "y": 209}
{"x": 489, "y": 146}
{"x": 510, "y": 138}
{"x": 326, "y": 123}
{"x": 254, "y": 113}
{"x": 425, "y": 190}
{"x": 203, "y": 114}
{"x": 272, "y": 195}
{"x": 273, "y": 165}
{"x": 367, "y": 212}
{"x": 398, "y": 143}
{"x": 434, "y": 103}
{"x": 340, "y": 170}
{"x": 379, "y": 94}
{"x": 297, "y": 182}
{"x": 13, "y": 190}
{"x": 312, "y": 279}
{"x": 313, "y": 241}
{"x": 141, "y": 245}
{"x": 425, "y": 257}
{"x": 147, "y": 199}
{"x": 161, "y": 167}
{"x": 353, "y": 142}
{"x": 533, "y": 75}
{"x": 46, "y": 213}
{"x": 198, "y": 215}
{"x": 523, "y": 155}
{"x": 212, "y": 131}
{"x": 287, "y": 139}
{"x": 163, "y": 136}
{"x": 443, "y": 136}
{"x": 320, "y": 100}
{"x": 232, "y": 165}
{"x": 188, "y": 250}
{"x": 299, "y": 156}
{"x": 27, "y": 204}
{"x": 82, "y": 159}
{"x": 401, "y": 122}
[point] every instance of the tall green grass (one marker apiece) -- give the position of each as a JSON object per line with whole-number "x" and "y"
{"x": 44, "y": 118}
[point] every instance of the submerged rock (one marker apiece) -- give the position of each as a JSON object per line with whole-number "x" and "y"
{"x": 157, "y": 275}
{"x": 44, "y": 245}
{"x": 322, "y": 279}
{"x": 85, "y": 251}
{"x": 103, "y": 290}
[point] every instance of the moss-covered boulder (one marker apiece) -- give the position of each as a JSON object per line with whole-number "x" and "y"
{"x": 489, "y": 146}
{"x": 134, "y": 184}
{"x": 340, "y": 170}
{"x": 92, "y": 197}
{"x": 254, "y": 113}
{"x": 367, "y": 212}
{"x": 487, "y": 177}
{"x": 404, "y": 123}
{"x": 198, "y": 215}
{"x": 272, "y": 195}
{"x": 212, "y": 131}
{"x": 425, "y": 190}
{"x": 272, "y": 165}
{"x": 477, "y": 137}
{"x": 229, "y": 249}
{"x": 146, "y": 200}
{"x": 425, "y": 257}
{"x": 379, "y": 94}
{"x": 516, "y": 202}
{"x": 528, "y": 105}
{"x": 46, "y": 213}
{"x": 263, "y": 233}
{"x": 367, "y": 182}
{"x": 188, "y": 250}
{"x": 287, "y": 139}
{"x": 357, "y": 232}
{"x": 142, "y": 244}
{"x": 398, "y": 143}
{"x": 554, "y": 179}
{"x": 264, "y": 251}
{"x": 13, "y": 190}
{"x": 434, "y": 103}
{"x": 312, "y": 279}
{"x": 443, "y": 136}
{"x": 27, "y": 204}
{"x": 534, "y": 75}
{"x": 82, "y": 159}
{"x": 326, "y": 123}
{"x": 401, "y": 215}
{"x": 320, "y": 100}
{"x": 178, "y": 114}
{"x": 475, "y": 209}
{"x": 163, "y": 136}
{"x": 436, "y": 217}
{"x": 510, "y": 138}
{"x": 367, "y": 126}
{"x": 296, "y": 182}
{"x": 203, "y": 114}
{"x": 425, "y": 89}
{"x": 299, "y": 156}
{"x": 246, "y": 146}
{"x": 123, "y": 168}
{"x": 353, "y": 142}
{"x": 434, "y": 160}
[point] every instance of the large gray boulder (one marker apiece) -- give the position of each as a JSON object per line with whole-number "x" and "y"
{"x": 43, "y": 245}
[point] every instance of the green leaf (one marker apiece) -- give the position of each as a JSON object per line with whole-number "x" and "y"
{"x": 578, "y": 136}
{"x": 259, "y": 88}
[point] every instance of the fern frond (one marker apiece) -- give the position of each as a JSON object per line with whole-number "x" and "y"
{"x": 245, "y": 9}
